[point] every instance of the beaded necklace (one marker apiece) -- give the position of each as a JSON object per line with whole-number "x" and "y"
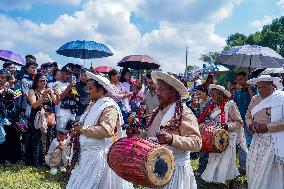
{"x": 172, "y": 124}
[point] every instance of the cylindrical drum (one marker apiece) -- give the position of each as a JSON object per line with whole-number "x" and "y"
{"x": 142, "y": 162}
{"x": 214, "y": 139}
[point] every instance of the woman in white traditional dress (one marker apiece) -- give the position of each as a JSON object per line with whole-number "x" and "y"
{"x": 174, "y": 125}
{"x": 222, "y": 167}
{"x": 265, "y": 118}
{"x": 96, "y": 131}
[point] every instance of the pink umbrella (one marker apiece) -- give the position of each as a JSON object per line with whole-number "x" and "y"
{"x": 103, "y": 69}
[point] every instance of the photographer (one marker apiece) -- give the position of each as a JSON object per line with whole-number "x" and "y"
{"x": 67, "y": 107}
{"x": 42, "y": 100}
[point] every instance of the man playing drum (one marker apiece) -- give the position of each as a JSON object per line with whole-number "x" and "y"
{"x": 265, "y": 118}
{"x": 224, "y": 113}
{"x": 96, "y": 129}
{"x": 174, "y": 125}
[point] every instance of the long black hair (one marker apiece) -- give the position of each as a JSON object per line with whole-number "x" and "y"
{"x": 112, "y": 73}
{"x": 123, "y": 73}
{"x": 36, "y": 80}
{"x": 54, "y": 73}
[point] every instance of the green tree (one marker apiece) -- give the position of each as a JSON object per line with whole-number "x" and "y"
{"x": 254, "y": 39}
{"x": 209, "y": 57}
{"x": 236, "y": 39}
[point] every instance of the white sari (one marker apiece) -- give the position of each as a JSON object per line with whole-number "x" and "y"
{"x": 93, "y": 172}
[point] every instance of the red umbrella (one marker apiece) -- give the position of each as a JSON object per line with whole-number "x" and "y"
{"x": 103, "y": 69}
{"x": 139, "y": 62}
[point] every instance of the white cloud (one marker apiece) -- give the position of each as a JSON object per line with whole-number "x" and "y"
{"x": 280, "y": 3}
{"x": 187, "y": 11}
{"x": 108, "y": 22}
{"x": 258, "y": 24}
{"x": 42, "y": 58}
{"x": 64, "y": 2}
{"x": 7, "y": 5}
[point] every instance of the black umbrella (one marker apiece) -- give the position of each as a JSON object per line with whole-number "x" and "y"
{"x": 139, "y": 62}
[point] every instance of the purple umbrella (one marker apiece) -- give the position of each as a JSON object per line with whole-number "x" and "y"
{"x": 11, "y": 56}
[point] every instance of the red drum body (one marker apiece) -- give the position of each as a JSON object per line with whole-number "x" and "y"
{"x": 142, "y": 162}
{"x": 214, "y": 139}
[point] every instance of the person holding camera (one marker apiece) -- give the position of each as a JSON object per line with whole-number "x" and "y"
{"x": 67, "y": 107}
{"x": 42, "y": 101}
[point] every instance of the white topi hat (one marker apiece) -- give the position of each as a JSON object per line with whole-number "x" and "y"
{"x": 101, "y": 80}
{"x": 220, "y": 88}
{"x": 172, "y": 81}
{"x": 276, "y": 81}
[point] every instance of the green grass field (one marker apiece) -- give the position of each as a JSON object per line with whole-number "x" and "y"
{"x": 19, "y": 176}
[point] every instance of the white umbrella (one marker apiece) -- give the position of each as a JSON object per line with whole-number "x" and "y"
{"x": 251, "y": 56}
{"x": 272, "y": 70}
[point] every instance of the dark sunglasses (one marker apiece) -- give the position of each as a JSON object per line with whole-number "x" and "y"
{"x": 43, "y": 81}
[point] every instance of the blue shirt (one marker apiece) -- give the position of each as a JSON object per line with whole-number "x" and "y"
{"x": 242, "y": 99}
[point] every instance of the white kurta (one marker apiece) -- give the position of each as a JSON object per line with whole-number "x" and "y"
{"x": 93, "y": 172}
{"x": 183, "y": 177}
{"x": 56, "y": 157}
{"x": 222, "y": 166}
{"x": 263, "y": 171}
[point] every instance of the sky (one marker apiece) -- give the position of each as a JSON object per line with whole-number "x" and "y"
{"x": 159, "y": 28}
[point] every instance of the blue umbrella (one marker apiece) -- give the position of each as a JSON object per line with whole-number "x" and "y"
{"x": 211, "y": 68}
{"x": 84, "y": 50}
{"x": 251, "y": 56}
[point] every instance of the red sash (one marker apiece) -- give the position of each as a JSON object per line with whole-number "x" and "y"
{"x": 209, "y": 110}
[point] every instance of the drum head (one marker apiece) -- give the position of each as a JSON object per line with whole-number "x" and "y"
{"x": 221, "y": 140}
{"x": 159, "y": 166}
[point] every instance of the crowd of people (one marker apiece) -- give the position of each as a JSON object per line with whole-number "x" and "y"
{"x": 59, "y": 117}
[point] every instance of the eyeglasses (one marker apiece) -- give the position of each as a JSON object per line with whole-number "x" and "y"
{"x": 43, "y": 81}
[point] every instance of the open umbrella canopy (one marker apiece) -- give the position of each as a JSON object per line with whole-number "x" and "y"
{"x": 139, "y": 62}
{"x": 272, "y": 71}
{"x": 84, "y": 50}
{"x": 6, "y": 55}
{"x": 103, "y": 69}
{"x": 251, "y": 56}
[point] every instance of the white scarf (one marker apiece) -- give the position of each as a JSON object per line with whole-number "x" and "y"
{"x": 276, "y": 102}
{"x": 167, "y": 117}
{"x": 169, "y": 114}
{"x": 96, "y": 111}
